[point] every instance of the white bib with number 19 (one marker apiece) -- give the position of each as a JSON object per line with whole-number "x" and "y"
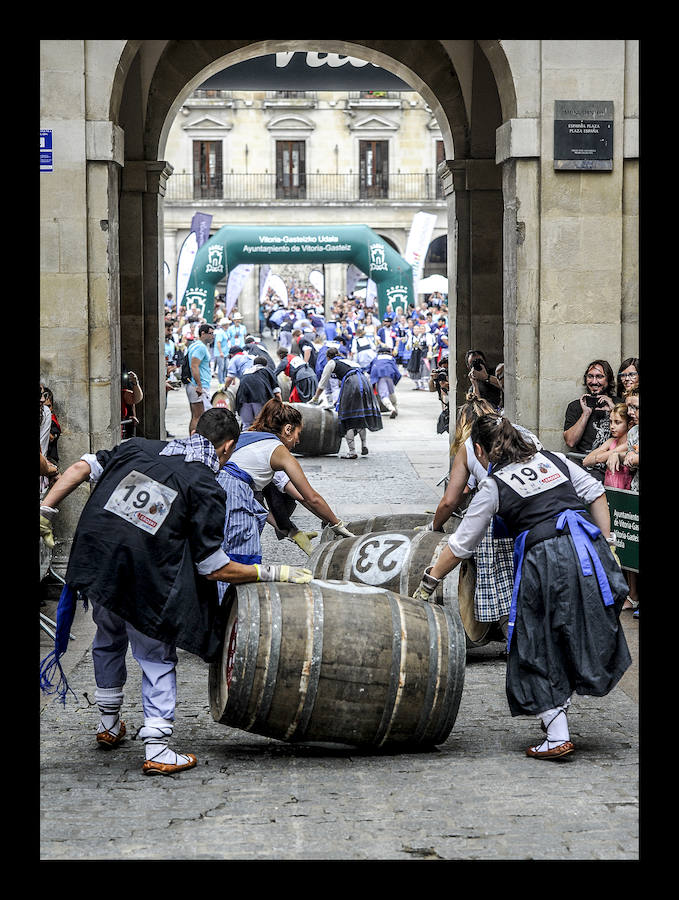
{"x": 533, "y": 477}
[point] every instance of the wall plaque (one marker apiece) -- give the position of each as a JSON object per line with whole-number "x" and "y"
{"x": 583, "y": 134}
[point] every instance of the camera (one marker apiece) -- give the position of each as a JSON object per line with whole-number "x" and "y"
{"x": 440, "y": 374}
{"x": 478, "y": 365}
{"x": 592, "y": 401}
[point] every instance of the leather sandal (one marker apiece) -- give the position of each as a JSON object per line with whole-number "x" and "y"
{"x": 155, "y": 768}
{"x": 555, "y": 752}
{"x": 108, "y": 740}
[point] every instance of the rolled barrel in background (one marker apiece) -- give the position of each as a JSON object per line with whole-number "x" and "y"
{"x": 337, "y": 662}
{"x": 320, "y": 431}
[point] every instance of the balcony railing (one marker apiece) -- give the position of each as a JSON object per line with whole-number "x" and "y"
{"x": 343, "y": 188}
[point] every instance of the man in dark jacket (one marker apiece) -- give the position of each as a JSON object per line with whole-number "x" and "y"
{"x": 257, "y": 386}
{"x": 147, "y": 554}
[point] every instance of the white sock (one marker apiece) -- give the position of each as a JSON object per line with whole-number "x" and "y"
{"x": 109, "y": 701}
{"x": 156, "y": 733}
{"x": 556, "y": 722}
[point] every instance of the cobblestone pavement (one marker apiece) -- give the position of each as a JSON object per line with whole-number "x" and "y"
{"x": 477, "y": 796}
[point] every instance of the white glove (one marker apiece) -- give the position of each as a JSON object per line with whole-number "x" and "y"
{"x": 427, "y": 587}
{"x": 315, "y": 401}
{"x": 284, "y": 573}
{"x": 429, "y": 527}
{"x": 341, "y": 529}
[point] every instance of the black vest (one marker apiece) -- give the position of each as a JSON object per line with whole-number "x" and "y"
{"x": 521, "y": 513}
{"x": 342, "y": 368}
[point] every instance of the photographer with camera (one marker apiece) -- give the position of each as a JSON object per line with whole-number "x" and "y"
{"x": 484, "y": 386}
{"x": 586, "y": 423}
{"x": 439, "y": 382}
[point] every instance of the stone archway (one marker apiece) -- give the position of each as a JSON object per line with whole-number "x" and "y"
{"x": 162, "y": 74}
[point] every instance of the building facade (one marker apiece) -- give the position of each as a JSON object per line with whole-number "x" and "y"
{"x": 307, "y": 158}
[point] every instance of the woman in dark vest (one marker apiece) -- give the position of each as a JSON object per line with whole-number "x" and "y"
{"x": 564, "y": 635}
{"x": 357, "y": 408}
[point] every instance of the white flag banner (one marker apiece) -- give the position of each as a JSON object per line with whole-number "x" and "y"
{"x": 264, "y": 275}
{"x": 277, "y": 284}
{"x": 316, "y": 280}
{"x": 418, "y": 243}
{"x": 237, "y": 278}
{"x": 187, "y": 254}
{"x": 370, "y": 293}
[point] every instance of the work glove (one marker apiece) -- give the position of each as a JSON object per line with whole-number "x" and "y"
{"x": 47, "y": 515}
{"x": 429, "y": 527}
{"x": 303, "y": 540}
{"x": 427, "y": 587}
{"x": 284, "y": 573}
{"x": 611, "y": 546}
{"x": 315, "y": 401}
{"x": 341, "y": 530}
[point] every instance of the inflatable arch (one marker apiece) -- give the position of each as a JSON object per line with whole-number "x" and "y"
{"x": 233, "y": 245}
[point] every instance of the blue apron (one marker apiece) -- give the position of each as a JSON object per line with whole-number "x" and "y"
{"x": 583, "y": 533}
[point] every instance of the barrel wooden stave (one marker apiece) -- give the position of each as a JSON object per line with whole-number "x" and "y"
{"x": 335, "y": 662}
{"x": 320, "y": 431}
{"x": 393, "y": 522}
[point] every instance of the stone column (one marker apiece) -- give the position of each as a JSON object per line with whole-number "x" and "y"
{"x": 475, "y": 184}
{"x": 142, "y": 286}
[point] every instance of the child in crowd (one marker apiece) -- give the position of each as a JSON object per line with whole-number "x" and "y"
{"x": 612, "y": 451}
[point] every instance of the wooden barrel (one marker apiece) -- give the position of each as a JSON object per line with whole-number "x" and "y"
{"x": 226, "y": 399}
{"x": 395, "y": 522}
{"x": 477, "y": 633}
{"x": 320, "y": 431}
{"x": 337, "y": 662}
{"x": 395, "y": 560}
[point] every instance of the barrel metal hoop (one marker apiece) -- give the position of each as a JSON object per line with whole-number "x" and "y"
{"x": 399, "y": 646}
{"x": 245, "y": 657}
{"x": 434, "y": 679}
{"x": 311, "y": 668}
{"x": 261, "y": 712}
{"x": 457, "y": 656}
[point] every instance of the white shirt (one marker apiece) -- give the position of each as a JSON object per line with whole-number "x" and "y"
{"x": 255, "y": 459}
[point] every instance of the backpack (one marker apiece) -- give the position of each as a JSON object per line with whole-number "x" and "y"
{"x": 185, "y": 374}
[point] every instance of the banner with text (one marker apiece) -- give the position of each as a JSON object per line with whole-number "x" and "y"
{"x": 234, "y": 245}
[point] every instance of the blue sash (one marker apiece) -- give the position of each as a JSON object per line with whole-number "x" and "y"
{"x": 250, "y": 437}
{"x": 50, "y": 667}
{"x": 583, "y": 534}
{"x": 232, "y": 469}
{"x": 246, "y": 559}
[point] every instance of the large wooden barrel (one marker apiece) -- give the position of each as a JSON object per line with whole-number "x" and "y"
{"x": 320, "y": 431}
{"x": 394, "y": 522}
{"x": 338, "y": 662}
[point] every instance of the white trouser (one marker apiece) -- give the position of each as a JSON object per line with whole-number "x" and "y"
{"x": 385, "y": 389}
{"x": 351, "y": 438}
{"x": 157, "y": 661}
